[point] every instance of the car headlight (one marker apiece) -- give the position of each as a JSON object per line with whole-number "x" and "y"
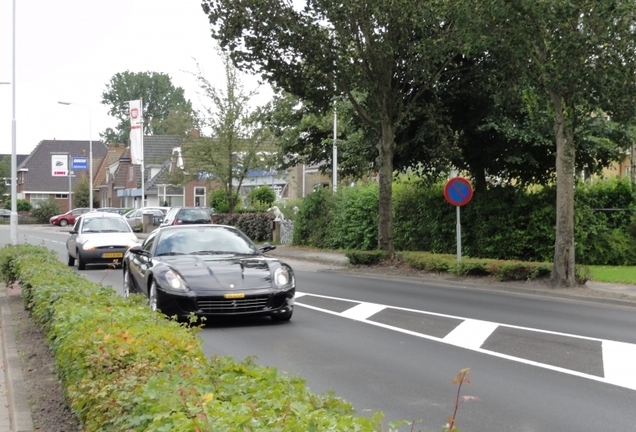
{"x": 282, "y": 277}
{"x": 175, "y": 281}
{"x": 88, "y": 246}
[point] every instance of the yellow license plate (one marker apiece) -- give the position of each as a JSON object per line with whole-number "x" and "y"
{"x": 112, "y": 255}
{"x": 234, "y": 296}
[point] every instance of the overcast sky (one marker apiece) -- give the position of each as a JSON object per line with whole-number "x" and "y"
{"x": 68, "y": 50}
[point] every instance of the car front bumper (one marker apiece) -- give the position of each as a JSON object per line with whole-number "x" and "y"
{"x": 271, "y": 302}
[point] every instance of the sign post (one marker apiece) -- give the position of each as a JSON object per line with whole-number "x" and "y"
{"x": 458, "y": 192}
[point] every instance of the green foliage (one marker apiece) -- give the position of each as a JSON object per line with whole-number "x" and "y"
{"x": 501, "y": 222}
{"x": 219, "y": 202}
{"x": 162, "y": 101}
{"x": 46, "y": 210}
{"x": 124, "y": 367}
{"x": 263, "y": 195}
{"x": 365, "y": 257}
{"x": 22, "y": 205}
{"x": 502, "y": 270}
{"x": 354, "y": 221}
{"x": 257, "y": 226}
{"x": 81, "y": 194}
{"x": 238, "y": 142}
{"x": 313, "y": 223}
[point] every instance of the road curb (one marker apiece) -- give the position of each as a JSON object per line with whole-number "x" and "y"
{"x": 19, "y": 409}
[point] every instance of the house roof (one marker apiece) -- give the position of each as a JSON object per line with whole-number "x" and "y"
{"x": 113, "y": 155}
{"x": 18, "y": 157}
{"x": 157, "y": 151}
{"x": 38, "y": 163}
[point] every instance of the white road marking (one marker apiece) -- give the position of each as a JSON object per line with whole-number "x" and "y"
{"x": 363, "y": 311}
{"x": 618, "y": 357}
{"x": 471, "y": 333}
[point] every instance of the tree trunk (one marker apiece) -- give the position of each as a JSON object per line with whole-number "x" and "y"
{"x": 386, "y": 150}
{"x": 563, "y": 274}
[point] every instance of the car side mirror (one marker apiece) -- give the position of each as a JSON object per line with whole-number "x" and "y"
{"x": 72, "y": 231}
{"x": 136, "y": 249}
{"x": 266, "y": 247}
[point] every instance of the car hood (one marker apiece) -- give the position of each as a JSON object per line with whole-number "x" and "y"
{"x": 109, "y": 239}
{"x": 227, "y": 273}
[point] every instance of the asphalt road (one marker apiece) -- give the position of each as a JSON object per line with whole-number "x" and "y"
{"x": 537, "y": 364}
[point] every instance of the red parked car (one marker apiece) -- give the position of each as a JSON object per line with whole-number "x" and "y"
{"x": 68, "y": 217}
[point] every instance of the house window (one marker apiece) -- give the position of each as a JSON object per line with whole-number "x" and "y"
{"x": 171, "y": 196}
{"x": 199, "y": 196}
{"x": 61, "y": 196}
{"x": 37, "y": 199}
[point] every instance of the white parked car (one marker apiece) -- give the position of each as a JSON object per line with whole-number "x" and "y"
{"x": 99, "y": 238}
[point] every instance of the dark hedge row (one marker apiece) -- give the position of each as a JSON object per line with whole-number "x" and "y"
{"x": 504, "y": 222}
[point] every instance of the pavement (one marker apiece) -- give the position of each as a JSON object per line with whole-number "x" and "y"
{"x": 15, "y": 414}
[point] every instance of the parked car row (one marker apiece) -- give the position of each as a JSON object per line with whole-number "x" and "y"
{"x": 187, "y": 265}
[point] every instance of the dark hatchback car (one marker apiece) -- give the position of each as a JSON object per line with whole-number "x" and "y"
{"x": 209, "y": 270}
{"x": 187, "y": 216}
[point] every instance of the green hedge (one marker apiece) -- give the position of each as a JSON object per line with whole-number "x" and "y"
{"x": 503, "y": 222}
{"x": 126, "y": 368}
{"x": 257, "y": 226}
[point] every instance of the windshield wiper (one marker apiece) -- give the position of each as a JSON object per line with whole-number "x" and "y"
{"x": 170, "y": 253}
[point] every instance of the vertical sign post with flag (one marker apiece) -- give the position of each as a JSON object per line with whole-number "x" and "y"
{"x": 137, "y": 139}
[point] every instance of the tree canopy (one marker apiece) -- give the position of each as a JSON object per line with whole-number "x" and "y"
{"x": 165, "y": 108}
{"x": 383, "y": 56}
{"x": 237, "y": 142}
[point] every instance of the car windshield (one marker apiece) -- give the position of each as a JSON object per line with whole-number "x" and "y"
{"x": 101, "y": 225}
{"x": 204, "y": 241}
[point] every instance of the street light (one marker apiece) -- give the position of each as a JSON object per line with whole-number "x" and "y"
{"x": 14, "y": 153}
{"x": 90, "y": 152}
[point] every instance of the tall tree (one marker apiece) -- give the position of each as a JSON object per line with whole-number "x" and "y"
{"x": 237, "y": 143}
{"x": 582, "y": 55}
{"x": 162, "y": 101}
{"x": 391, "y": 52}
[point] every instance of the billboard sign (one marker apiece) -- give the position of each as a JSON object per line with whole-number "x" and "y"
{"x": 79, "y": 164}
{"x": 59, "y": 165}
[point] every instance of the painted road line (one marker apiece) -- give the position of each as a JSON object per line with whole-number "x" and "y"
{"x": 363, "y": 311}
{"x": 471, "y": 333}
{"x": 617, "y": 357}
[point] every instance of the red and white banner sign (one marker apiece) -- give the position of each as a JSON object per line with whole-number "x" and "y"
{"x": 136, "y": 131}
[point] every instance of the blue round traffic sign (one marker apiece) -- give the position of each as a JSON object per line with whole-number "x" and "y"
{"x": 458, "y": 191}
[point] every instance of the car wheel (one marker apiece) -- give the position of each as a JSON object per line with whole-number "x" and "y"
{"x": 282, "y": 317}
{"x": 81, "y": 265}
{"x": 63, "y": 222}
{"x": 127, "y": 289}
{"x": 71, "y": 260}
{"x": 152, "y": 296}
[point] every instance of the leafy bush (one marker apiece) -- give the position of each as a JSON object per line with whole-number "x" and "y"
{"x": 22, "y": 205}
{"x": 219, "y": 202}
{"x": 355, "y": 222}
{"x": 313, "y": 223}
{"x": 365, "y": 257}
{"x": 263, "y": 195}
{"x": 257, "y": 226}
{"x": 124, "y": 367}
{"x": 46, "y": 210}
{"x": 502, "y": 270}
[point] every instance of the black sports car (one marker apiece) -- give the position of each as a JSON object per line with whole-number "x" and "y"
{"x": 208, "y": 270}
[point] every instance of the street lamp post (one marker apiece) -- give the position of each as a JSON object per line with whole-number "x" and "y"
{"x": 14, "y": 157}
{"x": 90, "y": 151}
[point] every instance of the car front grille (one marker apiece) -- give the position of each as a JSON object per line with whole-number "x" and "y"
{"x": 216, "y": 305}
